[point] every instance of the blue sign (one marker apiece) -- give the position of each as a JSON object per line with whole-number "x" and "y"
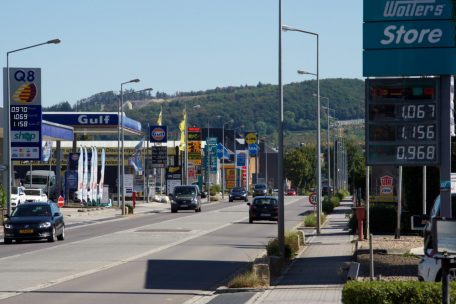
{"x": 241, "y": 159}
{"x": 390, "y": 10}
{"x": 25, "y": 132}
{"x": 222, "y": 152}
{"x": 253, "y": 149}
{"x": 158, "y": 134}
{"x": 91, "y": 120}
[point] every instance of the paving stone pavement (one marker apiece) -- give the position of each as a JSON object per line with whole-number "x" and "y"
{"x": 316, "y": 275}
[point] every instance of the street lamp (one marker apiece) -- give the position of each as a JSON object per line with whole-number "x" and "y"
{"x": 223, "y": 156}
{"x": 328, "y": 147}
{"x": 317, "y": 75}
{"x": 120, "y": 132}
{"x": 6, "y": 127}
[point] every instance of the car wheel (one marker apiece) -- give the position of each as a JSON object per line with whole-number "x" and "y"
{"x": 230, "y": 200}
{"x": 246, "y": 200}
{"x": 250, "y": 220}
{"x": 52, "y": 237}
{"x": 7, "y": 241}
{"x": 173, "y": 210}
{"x": 61, "y": 237}
{"x": 199, "y": 209}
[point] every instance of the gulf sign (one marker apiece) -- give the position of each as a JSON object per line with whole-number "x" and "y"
{"x": 158, "y": 134}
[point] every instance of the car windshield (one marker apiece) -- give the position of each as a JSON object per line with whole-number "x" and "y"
{"x": 185, "y": 191}
{"x": 38, "y": 180}
{"x": 32, "y": 191}
{"x": 260, "y": 187}
{"x": 238, "y": 189}
{"x": 265, "y": 202}
{"x": 32, "y": 210}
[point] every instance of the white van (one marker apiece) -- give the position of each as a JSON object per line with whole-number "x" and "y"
{"x": 43, "y": 179}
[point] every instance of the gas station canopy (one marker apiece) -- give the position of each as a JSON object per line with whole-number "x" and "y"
{"x": 53, "y": 132}
{"x": 96, "y": 123}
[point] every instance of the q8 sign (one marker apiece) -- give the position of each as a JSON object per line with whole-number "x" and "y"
{"x": 402, "y": 121}
{"x": 25, "y": 112}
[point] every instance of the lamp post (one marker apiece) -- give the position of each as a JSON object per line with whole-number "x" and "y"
{"x": 223, "y": 156}
{"x": 330, "y": 184}
{"x": 328, "y": 147}
{"x": 6, "y": 127}
{"x": 120, "y": 137}
{"x": 317, "y": 75}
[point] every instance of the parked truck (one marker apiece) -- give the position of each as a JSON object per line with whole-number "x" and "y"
{"x": 42, "y": 179}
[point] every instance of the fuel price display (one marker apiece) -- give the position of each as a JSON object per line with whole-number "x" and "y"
{"x": 402, "y": 118}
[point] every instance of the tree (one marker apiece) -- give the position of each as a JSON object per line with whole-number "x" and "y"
{"x": 299, "y": 166}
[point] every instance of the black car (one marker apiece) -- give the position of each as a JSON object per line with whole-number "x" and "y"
{"x": 260, "y": 190}
{"x": 238, "y": 193}
{"x": 263, "y": 208}
{"x": 34, "y": 221}
{"x": 186, "y": 198}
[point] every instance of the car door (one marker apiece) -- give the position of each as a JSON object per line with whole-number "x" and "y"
{"x": 58, "y": 218}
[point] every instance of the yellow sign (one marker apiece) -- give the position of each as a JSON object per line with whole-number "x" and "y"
{"x": 251, "y": 138}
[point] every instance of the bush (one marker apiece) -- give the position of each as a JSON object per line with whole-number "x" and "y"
{"x": 329, "y": 204}
{"x": 291, "y": 245}
{"x": 311, "y": 220}
{"x": 129, "y": 208}
{"x": 392, "y": 292}
{"x": 383, "y": 217}
{"x": 246, "y": 279}
{"x": 215, "y": 189}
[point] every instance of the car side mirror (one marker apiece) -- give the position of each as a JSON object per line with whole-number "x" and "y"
{"x": 57, "y": 214}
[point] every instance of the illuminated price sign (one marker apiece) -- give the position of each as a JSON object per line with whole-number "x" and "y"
{"x": 402, "y": 121}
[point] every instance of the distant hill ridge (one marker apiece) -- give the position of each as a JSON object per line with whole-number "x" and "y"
{"x": 255, "y": 107}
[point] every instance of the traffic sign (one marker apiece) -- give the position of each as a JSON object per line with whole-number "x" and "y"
{"x": 60, "y": 201}
{"x": 313, "y": 198}
{"x": 253, "y": 149}
{"x": 251, "y": 137}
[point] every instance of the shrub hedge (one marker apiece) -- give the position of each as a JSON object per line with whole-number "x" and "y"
{"x": 393, "y": 292}
{"x": 383, "y": 219}
{"x": 329, "y": 204}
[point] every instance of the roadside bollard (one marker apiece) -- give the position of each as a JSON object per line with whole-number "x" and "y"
{"x": 360, "y": 218}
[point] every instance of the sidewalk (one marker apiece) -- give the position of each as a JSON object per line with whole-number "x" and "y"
{"x": 315, "y": 276}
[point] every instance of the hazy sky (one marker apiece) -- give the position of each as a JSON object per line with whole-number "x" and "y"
{"x": 177, "y": 45}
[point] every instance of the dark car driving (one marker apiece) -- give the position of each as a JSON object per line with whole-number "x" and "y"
{"x": 238, "y": 193}
{"x": 263, "y": 208}
{"x": 34, "y": 221}
{"x": 186, "y": 198}
{"x": 260, "y": 190}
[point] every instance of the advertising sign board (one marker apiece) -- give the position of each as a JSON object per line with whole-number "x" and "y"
{"x": 25, "y": 112}
{"x": 159, "y": 157}
{"x": 408, "y": 38}
{"x": 158, "y": 134}
{"x": 402, "y": 121}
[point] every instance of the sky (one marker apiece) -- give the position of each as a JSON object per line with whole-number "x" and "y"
{"x": 177, "y": 45}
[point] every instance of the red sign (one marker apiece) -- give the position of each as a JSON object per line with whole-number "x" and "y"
{"x": 194, "y": 129}
{"x": 313, "y": 198}
{"x": 60, "y": 202}
{"x": 386, "y": 181}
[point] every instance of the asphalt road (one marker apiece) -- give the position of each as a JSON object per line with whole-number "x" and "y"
{"x": 159, "y": 258}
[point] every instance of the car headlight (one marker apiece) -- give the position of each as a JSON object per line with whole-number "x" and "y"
{"x": 194, "y": 201}
{"x": 8, "y": 226}
{"x": 45, "y": 225}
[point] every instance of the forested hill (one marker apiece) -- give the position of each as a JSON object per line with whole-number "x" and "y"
{"x": 255, "y": 107}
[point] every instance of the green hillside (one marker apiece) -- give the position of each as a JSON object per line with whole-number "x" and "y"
{"x": 255, "y": 107}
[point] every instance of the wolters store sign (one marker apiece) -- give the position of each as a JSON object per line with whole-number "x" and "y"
{"x": 409, "y": 38}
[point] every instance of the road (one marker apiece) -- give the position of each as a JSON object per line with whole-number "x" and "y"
{"x": 154, "y": 258}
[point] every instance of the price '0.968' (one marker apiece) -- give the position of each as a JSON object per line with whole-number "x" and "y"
{"x": 418, "y": 152}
